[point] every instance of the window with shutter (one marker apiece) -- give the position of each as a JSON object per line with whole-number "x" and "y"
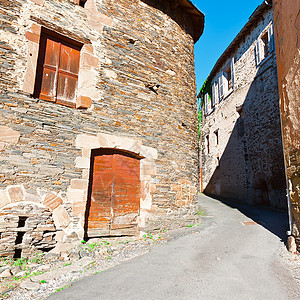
{"x": 265, "y": 42}
{"x": 257, "y": 53}
{"x": 271, "y": 38}
{"x": 232, "y": 73}
{"x": 221, "y": 86}
{"x": 206, "y": 103}
{"x": 213, "y": 89}
{"x": 58, "y": 68}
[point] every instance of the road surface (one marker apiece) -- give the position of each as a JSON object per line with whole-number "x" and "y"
{"x": 223, "y": 258}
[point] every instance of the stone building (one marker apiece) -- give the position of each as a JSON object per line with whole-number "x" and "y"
{"x": 242, "y": 156}
{"x": 98, "y": 118}
{"x": 287, "y": 37}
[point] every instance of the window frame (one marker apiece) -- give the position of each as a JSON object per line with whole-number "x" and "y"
{"x": 221, "y": 82}
{"x": 67, "y": 42}
{"x": 267, "y": 35}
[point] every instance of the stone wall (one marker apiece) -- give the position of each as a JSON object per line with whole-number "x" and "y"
{"x": 130, "y": 49}
{"x": 246, "y": 163}
{"x": 287, "y": 27}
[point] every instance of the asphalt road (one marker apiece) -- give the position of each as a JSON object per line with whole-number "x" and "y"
{"x": 220, "y": 259}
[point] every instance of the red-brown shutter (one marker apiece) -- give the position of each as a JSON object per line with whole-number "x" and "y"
{"x": 50, "y": 68}
{"x": 67, "y": 74}
{"x": 60, "y": 69}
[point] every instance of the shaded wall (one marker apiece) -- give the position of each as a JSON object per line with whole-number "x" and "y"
{"x": 287, "y": 37}
{"x": 245, "y": 157}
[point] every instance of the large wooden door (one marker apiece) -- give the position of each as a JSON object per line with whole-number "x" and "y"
{"x": 115, "y": 194}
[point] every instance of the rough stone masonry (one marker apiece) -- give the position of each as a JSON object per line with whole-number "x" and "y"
{"x": 242, "y": 155}
{"x": 135, "y": 92}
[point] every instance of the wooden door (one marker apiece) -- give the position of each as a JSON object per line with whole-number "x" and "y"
{"x": 115, "y": 194}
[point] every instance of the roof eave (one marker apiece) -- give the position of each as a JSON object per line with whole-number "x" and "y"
{"x": 236, "y": 41}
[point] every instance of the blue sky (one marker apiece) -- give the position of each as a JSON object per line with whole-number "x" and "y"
{"x": 223, "y": 21}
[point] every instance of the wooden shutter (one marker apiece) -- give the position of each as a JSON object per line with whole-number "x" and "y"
{"x": 50, "y": 68}
{"x": 67, "y": 74}
{"x": 257, "y": 53}
{"x": 221, "y": 86}
{"x": 232, "y": 72}
{"x": 213, "y": 89}
{"x": 271, "y": 38}
{"x": 59, "y": 70}
{"x": 206, "y": 103}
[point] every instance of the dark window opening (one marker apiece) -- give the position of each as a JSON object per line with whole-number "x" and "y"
{"x": 265, "y": 41}
{"x": 82, "y": 3}
{"x": 19, "y": 238}
{"x": 18, "y": 253}
{"x": 228, "y": 76}
{"x": 207, "y": 143}
{"x": 217, "y": 137}
{"x": 218, "y": 159}
{"x": 21, "y": 222}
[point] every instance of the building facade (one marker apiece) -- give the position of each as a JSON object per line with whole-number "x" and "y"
{"x": 287, "y": 29}
{"x": 242, "y": 156}
{"x": 98, "y": 118}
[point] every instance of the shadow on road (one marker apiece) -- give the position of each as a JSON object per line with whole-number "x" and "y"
{"x": 274, "y": 220}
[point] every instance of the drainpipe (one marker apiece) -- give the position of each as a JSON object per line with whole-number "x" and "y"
{"x": 289, "y": 207}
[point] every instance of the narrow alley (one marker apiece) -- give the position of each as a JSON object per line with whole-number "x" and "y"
{"x": 236, "y": 253}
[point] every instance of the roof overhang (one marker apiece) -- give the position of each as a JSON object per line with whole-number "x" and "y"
{"x": 197, "y": 17}
{"x": 184, "y": 12}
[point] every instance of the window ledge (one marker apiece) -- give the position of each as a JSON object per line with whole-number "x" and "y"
{"x": 265, "y": 59}
{"x": 227, "y": 95}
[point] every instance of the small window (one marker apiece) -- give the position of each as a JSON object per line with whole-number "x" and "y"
{"x": 217, "y": 137}
{"x": 58, "y": 67}
{"x": 226, "y": 80}
{"x": 82, "y": 3}
{"x": 227, "y": 75}
{"x": 207, "y": 143}
{"x": 265, "y": 42}
{"x": 264, "y": 45}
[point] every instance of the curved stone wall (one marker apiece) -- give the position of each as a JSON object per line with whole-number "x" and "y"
{"x": 137, "y": 74}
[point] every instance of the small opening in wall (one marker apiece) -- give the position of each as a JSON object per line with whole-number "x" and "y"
{"x": 21, "y": 222}
{"x": 207, "y": 144}
{"x": 132, "y": 41}
{"x": 82, "y": 3}
{"x": 19, "y": 238}
{"x": 217, "y": 137}
{"x": 47, "y": 249}
{"x": 18, "y": 253}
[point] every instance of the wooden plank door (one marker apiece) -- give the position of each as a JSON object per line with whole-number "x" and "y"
{"x": 115, "y": 194}
{"x": 126, "y": 197}
{"x": 99, "y": 218}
